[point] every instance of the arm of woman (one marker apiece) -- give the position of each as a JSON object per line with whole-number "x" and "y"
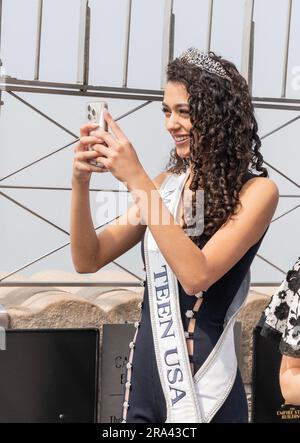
{"x": 258, "y": 197}
{"x": 289, "y": 379}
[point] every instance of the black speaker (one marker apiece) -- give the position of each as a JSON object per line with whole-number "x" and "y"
{"x": 49, "y": 375}
{"x": 267, "y": 401}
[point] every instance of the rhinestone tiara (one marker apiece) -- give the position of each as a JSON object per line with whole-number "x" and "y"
{"x": 202, "y": 59}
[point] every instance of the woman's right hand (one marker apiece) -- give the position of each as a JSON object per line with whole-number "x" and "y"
{"x": 82, "y": 169}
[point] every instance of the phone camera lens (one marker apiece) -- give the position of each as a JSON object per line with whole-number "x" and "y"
{"x": 89, "y": 108}
{"x": 89, "y": 116}
{"x": 93, "y": 112}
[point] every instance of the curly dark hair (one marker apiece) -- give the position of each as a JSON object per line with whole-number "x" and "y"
{"x": 224, "y": 139}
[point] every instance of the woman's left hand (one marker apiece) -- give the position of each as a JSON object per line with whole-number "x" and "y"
{"x": 119, "y": 156}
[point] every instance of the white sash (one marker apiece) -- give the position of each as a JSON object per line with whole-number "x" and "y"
{"x": 188, "y": 399}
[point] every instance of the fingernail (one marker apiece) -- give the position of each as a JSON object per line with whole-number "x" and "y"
{"x": 95, "y": 125}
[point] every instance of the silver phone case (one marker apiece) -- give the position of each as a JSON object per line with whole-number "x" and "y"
{"x": 95, "y": 114}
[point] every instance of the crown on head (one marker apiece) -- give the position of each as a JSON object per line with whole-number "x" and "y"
{"x": 204, "y": 61}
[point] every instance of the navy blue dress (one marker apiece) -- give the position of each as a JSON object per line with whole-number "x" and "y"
{"x": 146, "y": 399}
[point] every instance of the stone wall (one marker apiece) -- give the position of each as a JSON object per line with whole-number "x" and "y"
{"x": 249, "y": 317}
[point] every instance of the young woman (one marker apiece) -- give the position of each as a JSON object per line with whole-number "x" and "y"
{"x": 182, "y": 364}
{"x": 281, "y": 321}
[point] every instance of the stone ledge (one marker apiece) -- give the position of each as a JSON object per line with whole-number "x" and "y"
{"x": 249, "y": 317}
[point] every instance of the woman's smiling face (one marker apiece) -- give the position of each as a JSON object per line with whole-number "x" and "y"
{"x": 175, "y": 106}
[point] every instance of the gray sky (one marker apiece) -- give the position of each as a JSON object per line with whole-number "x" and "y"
{"x": 25, "y": 136}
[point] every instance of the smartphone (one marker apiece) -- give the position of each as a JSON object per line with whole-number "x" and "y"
{"x": 95, "y": 114}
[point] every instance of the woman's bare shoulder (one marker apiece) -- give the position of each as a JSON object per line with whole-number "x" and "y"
{"x": 263, "y": 184}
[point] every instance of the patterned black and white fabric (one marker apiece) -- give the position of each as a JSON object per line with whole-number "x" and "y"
{"x": 281, "y": 318}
